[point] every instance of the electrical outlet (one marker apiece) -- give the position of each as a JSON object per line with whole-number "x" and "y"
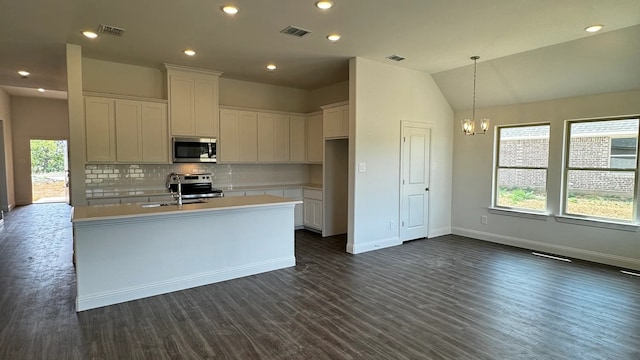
{"x": 392, "y": 225}
{"x": 483, "y": 219}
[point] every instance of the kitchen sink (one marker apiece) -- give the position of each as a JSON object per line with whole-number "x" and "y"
{"x": 184, "y": 202}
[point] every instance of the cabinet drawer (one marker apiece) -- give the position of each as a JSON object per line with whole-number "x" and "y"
{"x": 293, "y": 193}
{"x": 274, "y": 192}
{"x": 312, "y": 194}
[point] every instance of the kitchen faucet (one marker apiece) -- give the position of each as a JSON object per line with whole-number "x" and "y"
{"x": 179, "y": 191}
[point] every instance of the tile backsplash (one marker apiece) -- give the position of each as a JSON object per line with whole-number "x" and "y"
{"x": 115, "y": 180}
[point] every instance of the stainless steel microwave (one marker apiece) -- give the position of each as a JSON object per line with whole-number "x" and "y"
{"x": 194, "y": 149}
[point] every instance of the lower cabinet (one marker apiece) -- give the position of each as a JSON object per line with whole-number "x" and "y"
{"x": 313, "y": 209}
{"x": 296, "y": 194}
{"x": 291, "y": 193}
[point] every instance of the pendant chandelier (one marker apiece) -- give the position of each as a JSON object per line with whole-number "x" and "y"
{"x": 469, "y": 125}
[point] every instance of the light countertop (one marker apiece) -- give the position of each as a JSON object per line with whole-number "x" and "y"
{"x": 123, "y": 211}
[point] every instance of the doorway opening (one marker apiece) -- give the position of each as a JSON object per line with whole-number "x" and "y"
{"x": 49, "y": 171}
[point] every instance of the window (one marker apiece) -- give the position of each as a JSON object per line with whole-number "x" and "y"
{"x": 623, "y": 152}
{"x": 520, "y": 178}
{"x": 600, "y": 172}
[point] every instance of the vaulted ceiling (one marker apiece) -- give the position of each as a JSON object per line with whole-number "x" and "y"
{"x": 530, "y": 50}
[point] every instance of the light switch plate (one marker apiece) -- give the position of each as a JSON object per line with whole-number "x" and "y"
{"x": 362, "y": 167}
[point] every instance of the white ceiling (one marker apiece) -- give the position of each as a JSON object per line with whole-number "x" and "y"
{"x": 530, "y": 49}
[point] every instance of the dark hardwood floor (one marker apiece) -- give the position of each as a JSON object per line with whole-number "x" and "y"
{"x": 445, "y": 298}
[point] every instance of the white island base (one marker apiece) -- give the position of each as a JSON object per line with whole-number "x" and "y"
{"x": 126, "y": 252}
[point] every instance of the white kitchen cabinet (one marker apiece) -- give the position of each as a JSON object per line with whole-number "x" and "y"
{"x": 238, "y": 136}
{"x": 336, "y": 121}
{"x": 141, "y": 132}
{"x": 154, "y": 130}
{"x": 126, "y": 131}
{"x": 315, "y": 141}
{"x": 313, "y": 209}
{"x": 297, "y": 139}
{"x": 296, "y": 194}
{"x": 193, "y": 101}
{"x": 100, "y": 127}
{"x": 273, "y": 138}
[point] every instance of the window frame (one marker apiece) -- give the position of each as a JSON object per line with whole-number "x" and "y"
{"x": 497, "y": 167}
{"x": 566, "y": 168}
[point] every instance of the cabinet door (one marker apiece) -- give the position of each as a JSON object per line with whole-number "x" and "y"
{"x": 205, "y": 103}
{"x": 297, "y": 217}
{"x": 181, "y": 95}
{"x": 314, "y": 139}
{"x": 344, "y": 121}
{"x": 273, "y": 137}
{"x": 100, "y": 129}
{"x": 247, "y": 136}
{"x": 128, "y": 131}
{"x": 309, "y": 212}
{"x": 332, "y": 123}
{"x": 313, "y": 213}
{"x": 317, "y": 212}
{"x": 155, "y": 140}
{"x": 297, "y": 139}
{"x": 228, "y": 142}
{"x": 238, "y": 136}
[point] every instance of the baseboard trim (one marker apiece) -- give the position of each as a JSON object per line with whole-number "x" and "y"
{"x": 439, "y": 232}
{"x": 594, "y": 256}
{"x": 372, "y": 245}
{"x": 185, "y": 282}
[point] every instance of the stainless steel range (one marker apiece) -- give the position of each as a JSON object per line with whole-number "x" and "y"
{"x": 193, "y": 186}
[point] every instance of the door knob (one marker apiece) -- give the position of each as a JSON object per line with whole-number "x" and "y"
{"x": 427, "y": 189}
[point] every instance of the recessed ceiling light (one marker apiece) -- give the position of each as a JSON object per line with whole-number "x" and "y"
{"x": 41, "y": 90}
{"x": 24, "y": 73}
{"x": 593, "y": 28}
{"x": 189, "y": 52}
{"x": 271, "y": 67}
{"x": 324, "y": 5}
{"x": 333, "y": 37}
{"x": 90, "y": 34}
{"x": 230, "y": 9}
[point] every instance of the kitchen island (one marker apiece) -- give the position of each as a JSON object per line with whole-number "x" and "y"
{"x": 131, "y": 251}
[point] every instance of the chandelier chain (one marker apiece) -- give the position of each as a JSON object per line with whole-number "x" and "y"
{"x": 473, "y": 109}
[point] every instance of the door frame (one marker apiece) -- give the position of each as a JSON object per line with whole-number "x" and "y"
{"x": 403, "y": 125}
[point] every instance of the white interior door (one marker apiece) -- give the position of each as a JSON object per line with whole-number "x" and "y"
{"x": 414, "y": 189}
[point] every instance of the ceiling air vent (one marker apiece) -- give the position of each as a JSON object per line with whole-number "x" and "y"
{"x": 111, "y": 30}
{"x": 395, "y": 57}
{"x": 295, "y": 31}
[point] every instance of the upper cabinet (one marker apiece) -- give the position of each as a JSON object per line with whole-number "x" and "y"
{"x": 125, "y": 131}
{"x": 193, "y": 101}
{"x": 100, "y": 129}
{"x": 273, "y": 138}
{"x": 336, "y": 120}
{"x": 315, "y": 143}
{"x": 297, "y": 139}
{"x": 238, "y": 141}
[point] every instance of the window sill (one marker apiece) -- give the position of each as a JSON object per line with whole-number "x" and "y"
{"x": 597, "y": 223}
{"x": 519, "y": 213}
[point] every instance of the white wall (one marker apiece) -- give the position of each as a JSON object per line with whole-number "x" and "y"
{"x": 381, "y": 96}
{"x": 328, "y": 95}
{"x": 123, "y": 79}
{"x": 34, "y": 118}
{"x": 7, "y": 194}
{"x": 75, "y": 104}
{"x": 472, "y": 175}
{"x": 262, "y": 96}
